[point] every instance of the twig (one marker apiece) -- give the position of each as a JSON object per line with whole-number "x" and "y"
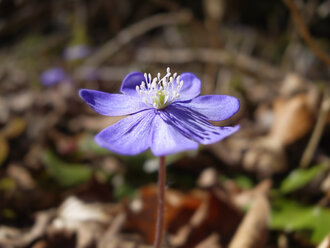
{"x": 244, "y": 62}
{"x": 317, "y": 132}
{"x": 304, "y": 33}
{"x": 135, "y": 30}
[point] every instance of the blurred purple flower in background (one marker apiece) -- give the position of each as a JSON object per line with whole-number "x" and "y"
{"x": 166, "y": 114}
{"x": 53, "y": 76}
{"x": 76, "y": 52}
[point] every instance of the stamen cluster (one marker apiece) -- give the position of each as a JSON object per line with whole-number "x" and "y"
{"x": 160, "y": 92}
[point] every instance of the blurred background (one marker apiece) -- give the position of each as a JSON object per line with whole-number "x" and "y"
{"x": 266, "y": 186}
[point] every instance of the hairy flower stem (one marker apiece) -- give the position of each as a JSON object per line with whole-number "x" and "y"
{"x": 161, "y": 203}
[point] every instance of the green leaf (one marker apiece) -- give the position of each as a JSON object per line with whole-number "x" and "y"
{"x": 124, "y": 190}
{"x": 289, "y": 215}
{"x": 243, "y": 181}
{"x": 300, "y": 177}
{"x": 66, "y": 174}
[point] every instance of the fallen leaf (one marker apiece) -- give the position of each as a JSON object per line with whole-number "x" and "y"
{"x": 14, "y": 128}
{"x": 293, "y": 119}
{"x": 4, "y": 149}
{"x": 87, "y": 221}
{"x": 142, "y": 210}
{"x": 189, "y": 218}
{"x": 21, "y": 176}
{"x": 24, "y": 238}
{"x": 213, "y": 241}
{"x": 325, "y": 243}
{"x": 253, "y": 231}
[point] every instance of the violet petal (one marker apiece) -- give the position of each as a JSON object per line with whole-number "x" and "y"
{"x": 194, "y": 125}
{"x": 112, "y": 104}
{"x": 191, "y": 86}
{"x": 166, "y": 138}
{"x": 129, "y": 136}
{"x": 133, "y": 79}
{"x": 52, "y": 76}
{"x": 214, "y": 107}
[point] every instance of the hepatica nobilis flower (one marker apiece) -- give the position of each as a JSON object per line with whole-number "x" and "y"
{"x": 165, "y": 114}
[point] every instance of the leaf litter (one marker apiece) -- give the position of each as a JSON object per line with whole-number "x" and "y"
{"x": 254, "y": 189}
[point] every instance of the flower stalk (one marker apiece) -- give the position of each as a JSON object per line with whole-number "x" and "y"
{"x": 161, "y": 203}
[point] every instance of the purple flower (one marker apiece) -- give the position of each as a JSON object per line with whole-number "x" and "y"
{"x": 52, "y": 76}
{"x": 76, "y": 52}
{"x": 166, "y": 114}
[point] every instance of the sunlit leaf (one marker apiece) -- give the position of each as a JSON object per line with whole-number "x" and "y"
{"x": 289, "y": 215}
{"x": 300, "y": 177}
{"x": 66, "y": 174}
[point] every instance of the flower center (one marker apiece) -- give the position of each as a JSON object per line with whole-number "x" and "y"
{"x": 160, "y": 92}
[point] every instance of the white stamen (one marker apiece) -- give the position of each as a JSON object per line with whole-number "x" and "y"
{"x": 159, "y": 92}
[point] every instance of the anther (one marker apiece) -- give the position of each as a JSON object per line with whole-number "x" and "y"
{"x": 159, "y": 92}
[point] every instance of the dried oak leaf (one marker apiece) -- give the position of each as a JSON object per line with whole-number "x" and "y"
{"x": 189, "y": 219}
{"x": 86, "y": 221}
{"x": 293, "y": 119}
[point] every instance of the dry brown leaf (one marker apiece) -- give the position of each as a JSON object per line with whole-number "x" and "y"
{"x": 14, "y": 128}
{"x": 21, "y": 101}
{"x": 246, "y": 197}
{"x": 190, "y": 218}
{"x": 87, "y": 221}
{"x": 293, "y": 119}
{"x": 325, "y": 243}
{"x": 4, "y": 149}
{"x": 266, "y": 156}
{"x": 253, "y": 231}
{"x": 208, "y": 178}
{"x": 292, "y": 84}
{"x": 213, "y": 241}
{"x": 23, "y": 239}
{"x": 22, "y": 176}
{"x": 142, "y": 211}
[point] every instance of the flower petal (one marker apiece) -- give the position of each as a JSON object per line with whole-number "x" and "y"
{"x": 166, "y": 139}
{"x": 215, "y": 107}
{"x": 195, "y": 125}
{"x": 191, "y": 86}
{"x": 129, "y": 136}
{"x": 128, "y": 86}
{"x": 52, "y": 76}
{"x": 112, "y": 104}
